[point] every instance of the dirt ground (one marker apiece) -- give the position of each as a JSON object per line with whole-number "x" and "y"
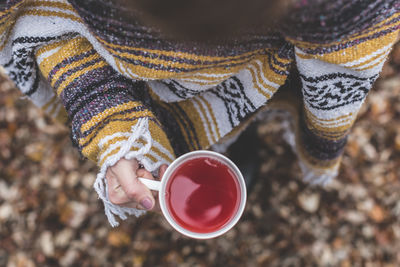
{"x": 51, "y": 216}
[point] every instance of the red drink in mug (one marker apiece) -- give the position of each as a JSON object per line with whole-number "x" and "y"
{"x": 202, "y": 194}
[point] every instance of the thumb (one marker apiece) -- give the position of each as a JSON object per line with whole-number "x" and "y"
{"x": 145, "y": 197}
{"x": 143, "y": 173}
{"x": 139, "y": 193}
{"x": 134, "y": 191}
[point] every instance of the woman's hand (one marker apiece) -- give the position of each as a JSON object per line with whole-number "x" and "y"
{"x": 124, "y": 189}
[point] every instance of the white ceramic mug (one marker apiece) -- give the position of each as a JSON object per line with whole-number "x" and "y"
{"x": 161, "y": 187}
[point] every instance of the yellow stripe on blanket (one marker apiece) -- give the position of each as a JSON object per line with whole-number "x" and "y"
{"x": 69, "y": 49}
{"x": 111, "y": 111}
{"x": 181, "y": 55}
{"x": 91, "y": 149}
{"x": 354, "y": 53}
{"x": 136, "y": 71}
{"x": 77, "y": 74}
{"x": 379, "y": 27}
{"x": 52, "y": 4}
{"x": 157, "y": 134}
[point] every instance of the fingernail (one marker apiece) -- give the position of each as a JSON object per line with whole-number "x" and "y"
{"x": 146, "y": 203}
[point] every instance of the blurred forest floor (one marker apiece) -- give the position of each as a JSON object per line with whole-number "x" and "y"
{"x": 51, "y": 216}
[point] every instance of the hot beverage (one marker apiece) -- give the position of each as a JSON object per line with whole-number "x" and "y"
{"x": 202, "y": 195}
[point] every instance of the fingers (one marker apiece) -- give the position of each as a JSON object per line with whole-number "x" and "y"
{"x": 126, "y": 190}
{"x": 147, "y": 175}
{"x": 115, "y": 192}
{"x": 124, "y": 187}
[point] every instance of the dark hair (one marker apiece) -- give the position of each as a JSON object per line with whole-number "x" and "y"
{"x": 207, "y": 19}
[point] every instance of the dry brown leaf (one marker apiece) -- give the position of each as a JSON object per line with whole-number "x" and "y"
{"x": 352, "y": 148}
{"x": 35, "y": 151}
{"x": 397, "y": 142}
{"x": 387, "y": 70}
{"x": 118, "y": 238}
{"x": 377, "y": 213}
{"x": 395, "y": 55}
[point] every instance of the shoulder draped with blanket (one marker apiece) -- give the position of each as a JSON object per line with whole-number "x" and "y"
{"x": 129, "y": 92}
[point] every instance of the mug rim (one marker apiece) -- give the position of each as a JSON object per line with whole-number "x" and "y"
{"x": 168, "y": 174}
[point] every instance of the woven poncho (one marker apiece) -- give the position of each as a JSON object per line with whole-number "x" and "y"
{"x": 129, "y": 91}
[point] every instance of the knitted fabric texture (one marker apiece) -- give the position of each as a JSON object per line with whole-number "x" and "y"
{"x": 130, "y": 92}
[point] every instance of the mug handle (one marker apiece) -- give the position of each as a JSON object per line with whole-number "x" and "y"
{"x": 151, "y": 184}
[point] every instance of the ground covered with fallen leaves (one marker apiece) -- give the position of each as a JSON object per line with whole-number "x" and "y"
{"x": 51, "y": 216}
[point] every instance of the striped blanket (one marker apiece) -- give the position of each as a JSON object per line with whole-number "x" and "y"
{"x": 129, "y": 91}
